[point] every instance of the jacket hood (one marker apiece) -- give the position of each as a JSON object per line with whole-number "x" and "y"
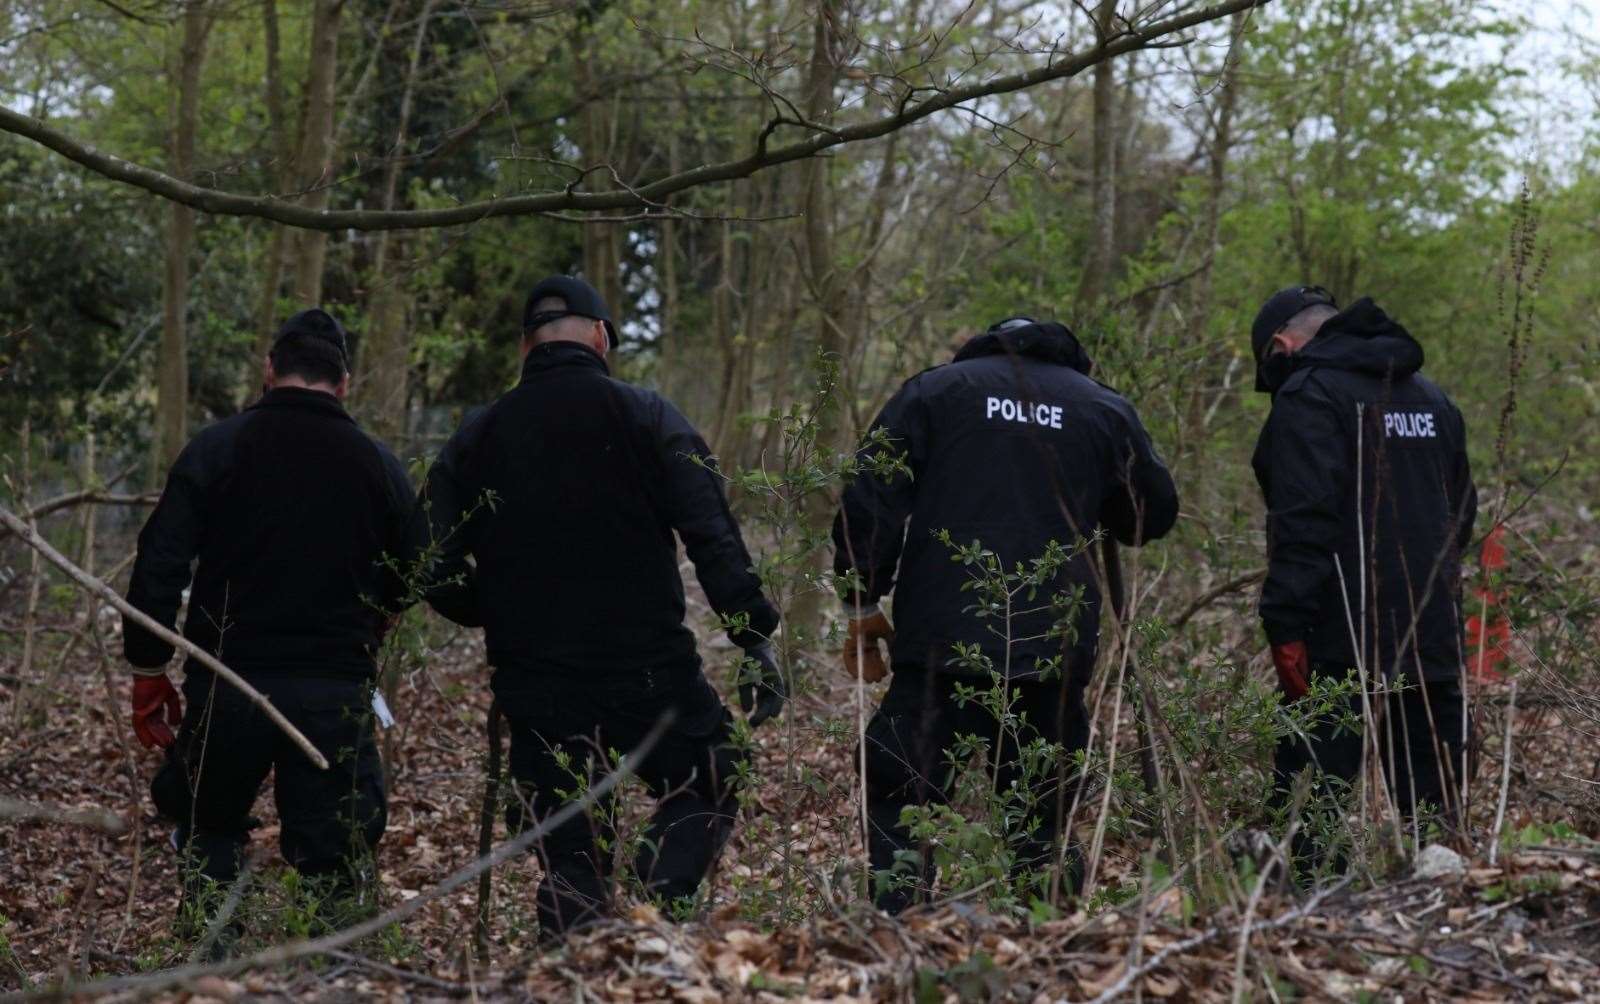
{"x": 1361, "y": 339}
{"x": 1045, "y": 340}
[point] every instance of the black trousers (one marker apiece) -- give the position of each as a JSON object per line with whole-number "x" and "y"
{"x": 1420, "y": 743}
{"x": 562, "y": 736}
{"x": 906, "y": 762}
{"x": 331, "y": 820}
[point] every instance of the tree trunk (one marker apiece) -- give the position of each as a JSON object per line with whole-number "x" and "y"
{"x": 314, "y": 172}
{"x": 382, "y": 383}
{"x": 667, "y": 256}
{"x": 172, "y": 396}
{"x": 1193, "y": 429}
{"x": 1103, "y": 250}
{"x": 282, "y": 174}
{"x": 861, "y": 336}
{"x": 602, "y": 242}
{"x": 806, "y": 615}
{"x": 818, "y": 224}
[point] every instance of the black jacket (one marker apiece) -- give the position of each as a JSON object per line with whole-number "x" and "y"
{"x": 1012, "y": 445}
{"x": 295, "y": 515}
{"x": 1353, "y": 401}
{"x": 566, "y": 492}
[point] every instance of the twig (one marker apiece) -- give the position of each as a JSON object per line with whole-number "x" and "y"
{"x": 279, "y": 954}
{"x": 403, "y": 974}
{"x": 1215, "y": 593}
{"x": 225, "y": 914}
{"x": 1155, "y": 961}
{"x": 166, "y": 634}
{"x": 1505, "y": 776}
{"x": 87, "y": 496}
{"x": 1302, "y": 788}
{"x": 491, "y": 808}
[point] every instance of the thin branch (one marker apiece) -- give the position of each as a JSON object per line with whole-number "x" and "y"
{"x": 161, "y": 631}
{"x": 1136, "y": 973}
{"x": 1210, "y": 595}
{"x": 267, "y": 207}
{"x": 86, "y": 496}
{"x": 280, "y": 954}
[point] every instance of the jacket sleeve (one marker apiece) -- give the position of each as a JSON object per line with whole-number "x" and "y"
{"x": 1308, "y": 476}
{"x": 1141, "y": 502}
{"x": 869, "y": 529}
{"x": 168, "y": 545}
{"x": 698, "y": 510}
{"x": 1463, "y": 492}
{"x": 444, "y": 525}
{"x": 405, "y": 540}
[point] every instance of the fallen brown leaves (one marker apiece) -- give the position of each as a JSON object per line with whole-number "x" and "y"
{"x": 1528, "y": 928}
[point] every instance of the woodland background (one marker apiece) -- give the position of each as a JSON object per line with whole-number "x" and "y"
{"x": 1440, "y": 156}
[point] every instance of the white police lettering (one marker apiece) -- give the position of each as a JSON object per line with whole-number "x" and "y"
{"x": 1409, "y": 424}
{"x": 1025, "y": 412}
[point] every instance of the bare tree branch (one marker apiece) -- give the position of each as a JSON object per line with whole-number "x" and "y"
{"x": 211, "y": 200}
{"x": 166, "y": 634}
{"x": 87, "y": 496}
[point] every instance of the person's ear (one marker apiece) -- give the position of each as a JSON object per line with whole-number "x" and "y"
{"x": 600, "y": 340}
{"x": 1283, "y": 343}
{"x": 525, "y": 346}
{"x": 342, "y": 388}
{"x": 269, "y": 378}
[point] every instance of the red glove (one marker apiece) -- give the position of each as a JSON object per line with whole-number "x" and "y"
{"x": 150, "y": 695}
{"x": 1294, "y": 668}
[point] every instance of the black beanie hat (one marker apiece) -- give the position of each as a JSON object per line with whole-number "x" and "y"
{"x": 316, "y": 330}
{"x": 580, "y": 297}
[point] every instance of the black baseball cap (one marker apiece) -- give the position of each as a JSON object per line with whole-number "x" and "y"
{"x": 581, "y": 299}
{"x": 1280, "y": 309}
{"x": 316, "y": 329}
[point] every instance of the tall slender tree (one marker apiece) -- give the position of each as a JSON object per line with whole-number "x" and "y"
{"x": 172, "y": 398}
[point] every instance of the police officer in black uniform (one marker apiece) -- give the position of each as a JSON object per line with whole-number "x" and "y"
{"x": 566, "y": 494}
{"x": 1013, "y": 445}
{"x": 1370, "y": 503}
{"x": 300, "y": 521}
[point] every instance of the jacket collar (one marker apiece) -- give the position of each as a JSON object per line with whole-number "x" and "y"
{"x": 1045, "y": 340}
{"x": 303, "y": 398}
{"x": 558, "y": 355}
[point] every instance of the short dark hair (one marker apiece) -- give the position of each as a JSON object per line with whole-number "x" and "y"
{"x": 311, "y": 359}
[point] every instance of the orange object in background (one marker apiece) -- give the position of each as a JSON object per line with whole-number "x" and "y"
{"x": 1488, "y": 631}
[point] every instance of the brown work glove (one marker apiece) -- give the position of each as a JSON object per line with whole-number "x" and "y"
{"x": 862, "y": 657}
{"x": 1294, "y": 668}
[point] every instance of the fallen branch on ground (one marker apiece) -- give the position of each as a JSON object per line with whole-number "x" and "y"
{"x": 166, "y": 634}
{"x": 95, "y": 818}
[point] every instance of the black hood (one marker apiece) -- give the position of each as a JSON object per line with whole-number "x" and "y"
{"x": 1362, "y": 339}
{"x": 1044, "y": 340}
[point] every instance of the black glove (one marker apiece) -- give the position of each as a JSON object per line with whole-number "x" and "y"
{"x": 762, "y": 689}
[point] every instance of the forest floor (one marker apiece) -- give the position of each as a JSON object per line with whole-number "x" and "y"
{"x": 79, "y": 905}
